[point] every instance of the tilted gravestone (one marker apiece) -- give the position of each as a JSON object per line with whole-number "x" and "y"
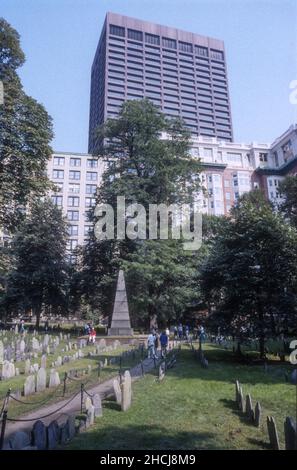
{"x": 53, "y": 435}
{"x": 258, "y": 413}
{"x": 97, "y": 405}
{"x": 290, "y": 433}
{"x": 240, "y": 400}
{"x": 272, "y": 433}
{"x": 29, "y": 385}
{"x": 126, "y": 388}
{"x": 19, "y": 440}
{"x": 39, "y": 435}
{"x": 117, "y": 391}
{"x": 249, "y": 408}
{"x": 41, "y": 380}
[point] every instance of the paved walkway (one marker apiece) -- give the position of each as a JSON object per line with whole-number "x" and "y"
{"x": 104, "y": 389}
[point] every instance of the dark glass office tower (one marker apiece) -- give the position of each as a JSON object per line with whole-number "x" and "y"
{"x": 183, "y": 73}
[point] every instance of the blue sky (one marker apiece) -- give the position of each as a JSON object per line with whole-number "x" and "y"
{"x": 59, "y": 38}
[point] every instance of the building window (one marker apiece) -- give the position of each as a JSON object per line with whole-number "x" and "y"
{"x": 90, "y": 202}
{"x": 58, "y": 174}
{"x": 185, "y": 46}
{"x": 270, "y": 182}
{"x": 134, "y": 34}
{"x": 92, "y": 163}
{"x": 59, "y": 161}
{"x": 74, "y": 175}
{"x": 72, "y": 244}
{"x": 75, "y": 161}
{"x": 287, "y": 150}
{"x": 170, "y": 43}
{"x": 73, "y": 215}
{"x": 57, "y": 200}
{"x": 72, "y": 230}
{"x": 199, "y": 50}
{"x": 234, "y": 158}
{"x": 116, "y": 30}
{"x": 218, "y": 55}
{"x": 227, "y": 183}
{"x": 207, "y": 153}
{"x": 74, "y": 188}
{"x": 73, "y": 201}
{"x": 228, "y": 196}
{"x": 91, "y": 188}
{"x": 263, "y": 157}
{"x": 152, "y": 39}
{"x": 92, "y": 176}
{"x": 275, "y": 156}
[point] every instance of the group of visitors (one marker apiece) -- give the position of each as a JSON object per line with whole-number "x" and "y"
{"x": 91, "y": 332}
{"x": 155, "y": 341}
{"x": 182, "y": 332}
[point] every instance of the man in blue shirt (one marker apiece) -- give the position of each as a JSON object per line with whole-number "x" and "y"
{"x": 164, "y": 343}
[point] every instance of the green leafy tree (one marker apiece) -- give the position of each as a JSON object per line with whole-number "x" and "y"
{"x": 145, "y": 169}
{"x": 38, "y": 279}
{"x": 288, "y": 189}
{"x": 25, "y": 133}
{"x": 250, "y": 275}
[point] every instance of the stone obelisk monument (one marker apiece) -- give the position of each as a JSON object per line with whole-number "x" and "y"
{"x": 120, "y": 323}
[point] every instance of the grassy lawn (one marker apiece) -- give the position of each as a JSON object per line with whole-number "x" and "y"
{"x": 194, "y": 408}
{"x": 54, "y": 395}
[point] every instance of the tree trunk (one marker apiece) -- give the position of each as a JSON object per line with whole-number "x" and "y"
{"x": 37, "y": 312}
{"x": 262, "y": 333}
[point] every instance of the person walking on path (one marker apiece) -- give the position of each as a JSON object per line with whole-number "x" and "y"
{"x": 151, "y": 346}
{"x": 164, "y": 343}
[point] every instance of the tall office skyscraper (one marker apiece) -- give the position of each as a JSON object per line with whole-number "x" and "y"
{"x": 183, "y": 73}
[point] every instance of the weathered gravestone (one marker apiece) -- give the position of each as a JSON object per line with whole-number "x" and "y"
{"x": 272, "y": 433}
{"x": 294, "y": 377}
{"x": 258, "y": 413}
{"x": 29, "y": 385}
{"x": 249, "y": 408}
{"x": 54, "y": 379}
{"x": 19, "y": 440}
{"x": 35, "y": 344}
{"x": 41, "y": 380}
{"x": 22, "y": 346}
{"x": 90, "y": 416}
{"x": 27, "y": 366}
{"x": 43, "y": 361}
{"x": 64, "y": 433}
{"x": 117, "y": 391}
{"x": 53, "y": 435}
{"x": 71, "y": 426}
{"x": 39, "y": 435}
{"x": 88, "y": 403}
{"x": 126, "y": 388}
{"x": 161, "y": 374}
{"x": 97, "y": 405}
{"x": 290, "y": 433}
{"x": 240, "y": 400}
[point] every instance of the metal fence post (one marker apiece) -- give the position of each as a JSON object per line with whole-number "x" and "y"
{"x": 81, "y": 397}
{"x": 64, "y": 384}
{"x": 3, "y": 426}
